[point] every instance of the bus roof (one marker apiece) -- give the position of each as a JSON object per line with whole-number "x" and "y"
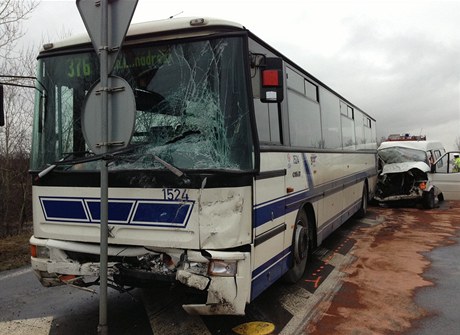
{"x": 182, "y": 24}
{"x": 136, "y": 29}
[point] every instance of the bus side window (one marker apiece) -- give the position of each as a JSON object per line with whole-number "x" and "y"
{"x": 267, "y": 119}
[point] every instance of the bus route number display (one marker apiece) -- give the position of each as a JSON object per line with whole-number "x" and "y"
{"x": 79, "y": 67}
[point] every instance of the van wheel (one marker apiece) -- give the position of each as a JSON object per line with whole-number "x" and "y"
{"x": 428, "y": 199}
{"x": 301, "y": 246}
{"x": 440, "y": 197}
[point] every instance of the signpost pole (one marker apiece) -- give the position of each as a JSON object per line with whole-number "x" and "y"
{"x": 107, "y": 23}
{"x": 104, "y": 49}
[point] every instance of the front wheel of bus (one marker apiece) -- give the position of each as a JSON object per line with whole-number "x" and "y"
{"x": 301, "y": 245}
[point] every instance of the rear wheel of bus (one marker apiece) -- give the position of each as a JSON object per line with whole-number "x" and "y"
{"x": 361, "y": 213}
{"x": 301, "y": 247}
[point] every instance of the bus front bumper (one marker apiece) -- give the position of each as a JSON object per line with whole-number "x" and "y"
{"x": 225, "y": 276}
{"x": 227, "y": 281}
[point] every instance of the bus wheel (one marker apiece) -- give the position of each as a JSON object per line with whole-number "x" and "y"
{"x": 364, "y": 202}
{"x": 300, "y": 249}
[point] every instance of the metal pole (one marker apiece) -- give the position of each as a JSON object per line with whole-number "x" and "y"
{"x": 103, "y": 327}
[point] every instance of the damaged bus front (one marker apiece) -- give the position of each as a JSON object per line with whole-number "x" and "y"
{"x": 180, "y": 194}
{"x": 241, "y": 164}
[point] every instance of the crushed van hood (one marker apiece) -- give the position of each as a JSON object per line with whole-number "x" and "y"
{"x": 404, "y": 167}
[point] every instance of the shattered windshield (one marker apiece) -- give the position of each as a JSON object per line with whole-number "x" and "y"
{"x": 401, "y": 155}
{"x": 191, "y": 101}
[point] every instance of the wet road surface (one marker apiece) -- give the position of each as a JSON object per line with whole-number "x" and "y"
{"x": 442, "y": 300}
{"x": 372, "y": 276}
{"x": 391, "y": 286}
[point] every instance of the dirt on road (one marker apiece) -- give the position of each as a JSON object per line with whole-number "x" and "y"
{"x": 377, "y": 295}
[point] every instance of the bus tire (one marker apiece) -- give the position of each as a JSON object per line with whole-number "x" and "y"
{"x": 301, "y": 247}
{"x": 361, "y": 213}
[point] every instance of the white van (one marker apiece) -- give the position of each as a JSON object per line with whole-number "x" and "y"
{"x": 417, "y": 170}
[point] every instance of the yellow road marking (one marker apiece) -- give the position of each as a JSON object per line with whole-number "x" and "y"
{"x": 255, "y": 328}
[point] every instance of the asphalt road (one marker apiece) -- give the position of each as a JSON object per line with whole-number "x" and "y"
{"x": 442, "y": 300}
{"x": 395, "y": 272}
{"x": 401, "y": 265}
{"x": 28, "y": 308}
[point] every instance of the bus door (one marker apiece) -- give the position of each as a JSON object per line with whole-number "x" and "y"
{"x": 269, "y": 224}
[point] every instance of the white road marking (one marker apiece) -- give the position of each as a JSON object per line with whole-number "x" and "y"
{"x": 15, "y": 273}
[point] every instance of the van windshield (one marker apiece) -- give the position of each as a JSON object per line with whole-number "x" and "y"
{"x": 401, "y": 155}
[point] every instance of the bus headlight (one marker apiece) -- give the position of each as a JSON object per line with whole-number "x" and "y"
{"x": 38, "y": 251}
{"x": 222, "y": 268}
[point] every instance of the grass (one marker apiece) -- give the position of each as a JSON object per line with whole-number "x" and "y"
{"x": 15, "y": 251}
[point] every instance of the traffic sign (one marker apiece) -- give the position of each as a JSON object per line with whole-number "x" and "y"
{"x": 120, "y": 13}
{"x": 121, "y": 118}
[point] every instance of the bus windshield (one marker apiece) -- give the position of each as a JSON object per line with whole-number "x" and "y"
{"x": 191, "y": 99}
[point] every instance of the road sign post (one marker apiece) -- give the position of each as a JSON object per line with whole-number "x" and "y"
{"x": 107, "y": 24}
{"x": 104, "y": 230}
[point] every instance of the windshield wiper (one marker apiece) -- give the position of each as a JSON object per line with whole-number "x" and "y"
{"x": 173, "y": 169}
{"x": 108, "y": 157}
{"x": 170, "y": 167}
{"x": 59, "y": 162}
{"x": 91, "y": 158}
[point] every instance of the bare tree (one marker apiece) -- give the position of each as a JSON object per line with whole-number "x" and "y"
{"x": 18, "y": 107}
{"x": 12, "y": 15}
{"x": 14, "y": 62}
{"x": 457, "y": 143}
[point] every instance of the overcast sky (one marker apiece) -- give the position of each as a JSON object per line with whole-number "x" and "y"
{"x": 399, "y": 61}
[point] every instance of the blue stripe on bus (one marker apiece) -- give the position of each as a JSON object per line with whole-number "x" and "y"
{"x": 308, "y": 172}
{"x": 278, "y": 207}
{"x": 118, "y": 211}
{"x": 266, "y": 274}
{"x": 69, "y": 209}
{"x": 269, "y": 272}
{"x": 160, "y": 213}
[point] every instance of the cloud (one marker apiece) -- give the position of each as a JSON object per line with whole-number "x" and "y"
{"x": 397, "y": 60}
{"x": 406, "y": 75}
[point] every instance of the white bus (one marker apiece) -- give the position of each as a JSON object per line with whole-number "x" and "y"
{"x": 264, "y": 162}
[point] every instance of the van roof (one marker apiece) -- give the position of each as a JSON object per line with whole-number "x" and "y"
{"x": 419, "y": 145}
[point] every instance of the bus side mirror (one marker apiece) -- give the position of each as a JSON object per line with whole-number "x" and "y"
{"x": 433, "y": 168}
{"x": 2, "y": 113}
{"x": 271, "y": 80}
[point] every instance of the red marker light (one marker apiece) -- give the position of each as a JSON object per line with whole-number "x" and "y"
{"x": 270, "y": 78}
{"x": 33, "y": 250}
